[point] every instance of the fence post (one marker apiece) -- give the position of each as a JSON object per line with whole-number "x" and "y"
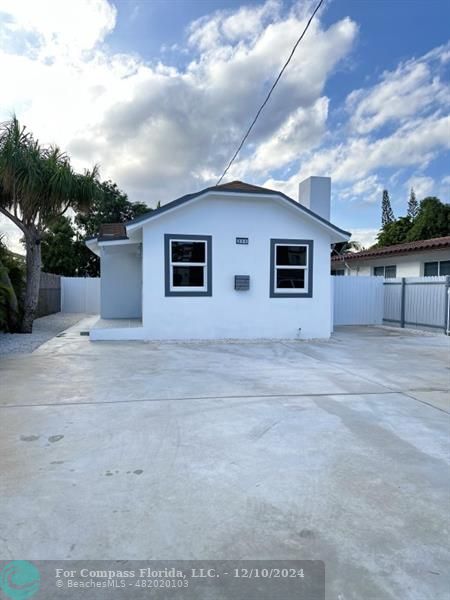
{"x": 447, "y": 305}
{"x": 402, "y": 308}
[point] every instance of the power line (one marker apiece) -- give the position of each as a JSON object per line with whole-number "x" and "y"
{"x": 270, "y": 91}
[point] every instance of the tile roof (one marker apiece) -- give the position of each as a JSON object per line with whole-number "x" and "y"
{"x": 431, "y": 244}
{"x": 112, "y": 231}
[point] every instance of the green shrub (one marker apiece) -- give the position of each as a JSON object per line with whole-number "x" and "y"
{"x": 12, "y": 278}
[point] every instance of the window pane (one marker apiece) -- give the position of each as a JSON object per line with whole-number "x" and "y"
{"x": 378, "y": 271}
{"x": 444, "y": 268}
{"x": 188, "y": 252}
{"x": 188, "y": 277}
{"x": 390, "y": 272}
{"x": 431, "y": 268}
{"x": 290, "y": 278}
{"x": 291, "y": 255}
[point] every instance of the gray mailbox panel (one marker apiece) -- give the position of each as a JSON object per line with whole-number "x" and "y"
{"x": 242, "y": 282}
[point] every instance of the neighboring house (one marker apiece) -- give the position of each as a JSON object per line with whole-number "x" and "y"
{"x": 414, "y": 259}
{"x": 230, "y": 261}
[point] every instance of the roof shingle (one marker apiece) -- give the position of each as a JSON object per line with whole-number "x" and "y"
{"x": 112, "y": 231}
{"x": 241, "y": 186}
{"x": 431, "y": 244}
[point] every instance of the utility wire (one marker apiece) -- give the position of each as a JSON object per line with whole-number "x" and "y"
{"x": 270, "y": 91}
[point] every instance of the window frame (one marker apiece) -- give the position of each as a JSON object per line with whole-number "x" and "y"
{"x": 390, "y": 276}
{"x": 384, "y": 267}
{"x": 307, "y": 292}
{"x": 440, "y": 264}
{"x": 434, "y": 262}
{"x": 374, "y": 272}
{"x": 170, "y": 289}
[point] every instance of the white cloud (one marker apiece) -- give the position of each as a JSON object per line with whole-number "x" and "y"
{"x": 366, "y": 237}
{"x": 247, "y": 23}
{"x": 413, "y": 144}
{"x": 413, "y": 100}
{"x": 301, "y": 131}
{"x": 60, "y": 27}
{"x": 369, "y": 189}
{"x": 423, "y": 186}
{"x": 160, "y": 131}
{"x": 413, "y": 87}
{"x": 11, "y": 235}
{"x": 355, "y": 161}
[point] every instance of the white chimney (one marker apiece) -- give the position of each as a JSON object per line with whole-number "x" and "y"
{"x": 315, "y": 193}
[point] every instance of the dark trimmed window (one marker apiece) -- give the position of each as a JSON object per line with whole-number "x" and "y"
{"x": 291, "y": 264}
{"x": 444, "y": 267}
{"x": 390, "y": 272}
{"x": 188, "y": 265}
{"x": 441, "y": 267}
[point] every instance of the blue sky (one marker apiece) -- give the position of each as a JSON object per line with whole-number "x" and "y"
{"x": 159, "y": 92}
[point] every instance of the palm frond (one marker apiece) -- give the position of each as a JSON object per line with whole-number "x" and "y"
{"x": 39, "y": 182}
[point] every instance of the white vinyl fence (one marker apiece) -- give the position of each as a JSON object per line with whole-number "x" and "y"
{"x": 422, "y": 302}
{"x": 80, "y": 295}
{"x": 358, "y": 300}
{"x": 407, "y": 302}
{"x": 417, "y": 302}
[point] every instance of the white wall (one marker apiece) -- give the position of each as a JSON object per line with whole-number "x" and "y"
{"x": 121, "y": 282}
{"x": 407, "y": 266}
{"x": 229, "y": 313}
{"x": 80, "y": 295}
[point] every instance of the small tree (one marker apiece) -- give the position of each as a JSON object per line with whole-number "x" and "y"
{"x": 433, "y": 220}
{"x": 394, "y": 233}
{"x": 58, "y": 248}
{"x": 112, "y": 206}
{"x": 37, "y": 185}
{"x": 12, "y": 274}
{"x": 387, "y": 214}
{"x": 413, "y": 205}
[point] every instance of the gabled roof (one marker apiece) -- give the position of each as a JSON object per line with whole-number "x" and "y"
{"x": 409, "y": 247}
{"x": 233, "y": 187}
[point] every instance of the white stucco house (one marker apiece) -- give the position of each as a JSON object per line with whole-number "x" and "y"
{"x": 232, "y": 261}
{"x": 423, "y": 258}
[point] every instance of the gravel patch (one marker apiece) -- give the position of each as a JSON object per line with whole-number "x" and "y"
{"x": 43, "y": 330}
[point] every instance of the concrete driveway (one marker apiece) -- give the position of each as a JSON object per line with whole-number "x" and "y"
{"x": 317, "y": 450}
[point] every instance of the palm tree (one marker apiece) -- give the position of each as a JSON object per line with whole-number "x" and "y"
{"x": 37, "y": 185}
{"x": 346, "y": 247}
